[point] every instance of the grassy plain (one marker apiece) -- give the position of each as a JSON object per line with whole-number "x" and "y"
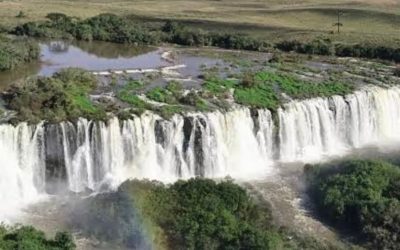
{"x": 376, "y": 21}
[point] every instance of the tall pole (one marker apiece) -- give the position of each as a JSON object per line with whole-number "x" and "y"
{"x": 338, "y": 24}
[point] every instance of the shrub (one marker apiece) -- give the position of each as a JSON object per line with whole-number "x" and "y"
{"x": 21, "y": 14}
{"x": 175, "y": 88}
{"x": 58, "y": 17}
{"x": 326, "y": 47}
{"x": 14, "y": 52}
{"x": 27, "y": 237}
{"x": 159, "y": 94}
{"x": 113, "y": 28}
{"x": 61, "y": 97}
{"x": 248, "y": 80}
{"x": 360, "y": 195}
{"x": 218, "y": 87}
{"x": 211, "y": 216}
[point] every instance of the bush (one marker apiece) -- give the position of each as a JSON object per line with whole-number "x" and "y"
{"x": 14, "y": 52}
{"x": 326, "y": 47}
{"x": 159, "y": 94}
{"x": 211, "y": 216}
{"x": 362, "y": 196}
{"x": 58, "y": 17}
{"x": 21, "y": 14}
{"x": 64, "y": 96}
{"x": 27, "y": 237}
{"x": 195, "y": 100}
{"x": 216, "y": 215}
{"x": 193, "y": 214}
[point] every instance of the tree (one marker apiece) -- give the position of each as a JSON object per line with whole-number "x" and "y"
{"x": 57, "y": 17}
{"x": 21, "y": 14}
{"x": 361, "y": 195}
{"x": 338, "y": 23}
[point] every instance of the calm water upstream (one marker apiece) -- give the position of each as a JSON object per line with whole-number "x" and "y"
{"x": 104, "y": 56}
{"x": 97, "y": 56}
{"x": 93, "y": 56}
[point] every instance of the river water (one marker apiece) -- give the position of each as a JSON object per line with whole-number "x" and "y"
{"x": 43, "y": 162}
{"x": 108, "y": 57}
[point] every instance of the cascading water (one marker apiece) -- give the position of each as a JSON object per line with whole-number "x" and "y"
{"x": 22, "y": 176}
{"x": 149, "y": 147}
{"x": 312, "y": 129}
{"x": 239, "y": 143}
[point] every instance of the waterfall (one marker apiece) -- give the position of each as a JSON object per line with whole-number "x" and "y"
{"x": 241, "y": 143}
{"x": 211, "y": 145}
{"x": 22, "y": 176}
{"x": 313, "y": 129}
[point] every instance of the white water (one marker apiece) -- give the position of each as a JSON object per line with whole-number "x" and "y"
{"x": 21, "y": 167}
{"x": 211, "y": 144}
{"x": 149, "y": 147}
{"x": 320, "y": 127}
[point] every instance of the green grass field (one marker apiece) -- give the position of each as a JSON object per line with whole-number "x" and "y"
{"x": 377, "y": 21}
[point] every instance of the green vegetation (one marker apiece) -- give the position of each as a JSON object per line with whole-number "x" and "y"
{"x": 327, "y": 47}
{"x": 113, "y": 28}
{"x": 128, "y": 94}
{"x": 167, "y": 111}
{"x": 363, "y": 196}
{"x": 364, "y": 20}
{"x": 299, "y": 89}
{"x": 263, "y": 89}
{"x": 194, "y": 99}
{"x": 258, "y": 97}
{"x": 14, "y": 52}
{"x": 169, "y": 96}
{"x": 64, "y": 96}
{"x": 211, "y": 216}
{"x": 159, "y": 94}
{"x": 26, "y": 237}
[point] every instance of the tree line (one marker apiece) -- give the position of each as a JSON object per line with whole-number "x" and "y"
{"x": 113, "y": 28}
{"x": 361, "y": 197}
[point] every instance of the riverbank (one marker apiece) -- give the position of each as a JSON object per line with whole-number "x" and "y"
{"x": 109, "y": 27}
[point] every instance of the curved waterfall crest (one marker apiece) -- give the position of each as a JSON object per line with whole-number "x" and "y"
{"x": 240, "y": 143}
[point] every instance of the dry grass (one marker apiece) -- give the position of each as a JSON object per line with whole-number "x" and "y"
{"x": 275, "y": 19}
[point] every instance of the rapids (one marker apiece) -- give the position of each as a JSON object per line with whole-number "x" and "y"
{"x": 244, "y": 144}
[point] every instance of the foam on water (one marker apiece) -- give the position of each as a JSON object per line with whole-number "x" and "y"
{"x": 239, "y": 143}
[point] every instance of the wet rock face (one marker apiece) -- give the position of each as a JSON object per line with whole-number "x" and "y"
{"x": 187, "y": 132}
{"x": 55, "y": 174}
{"x": 254, "y": 116}
{"x": 159, "y": 132}
{"x": 96, "y": 148}
{"x": 198, "y": 147}
{"x": 193, "y": 138}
